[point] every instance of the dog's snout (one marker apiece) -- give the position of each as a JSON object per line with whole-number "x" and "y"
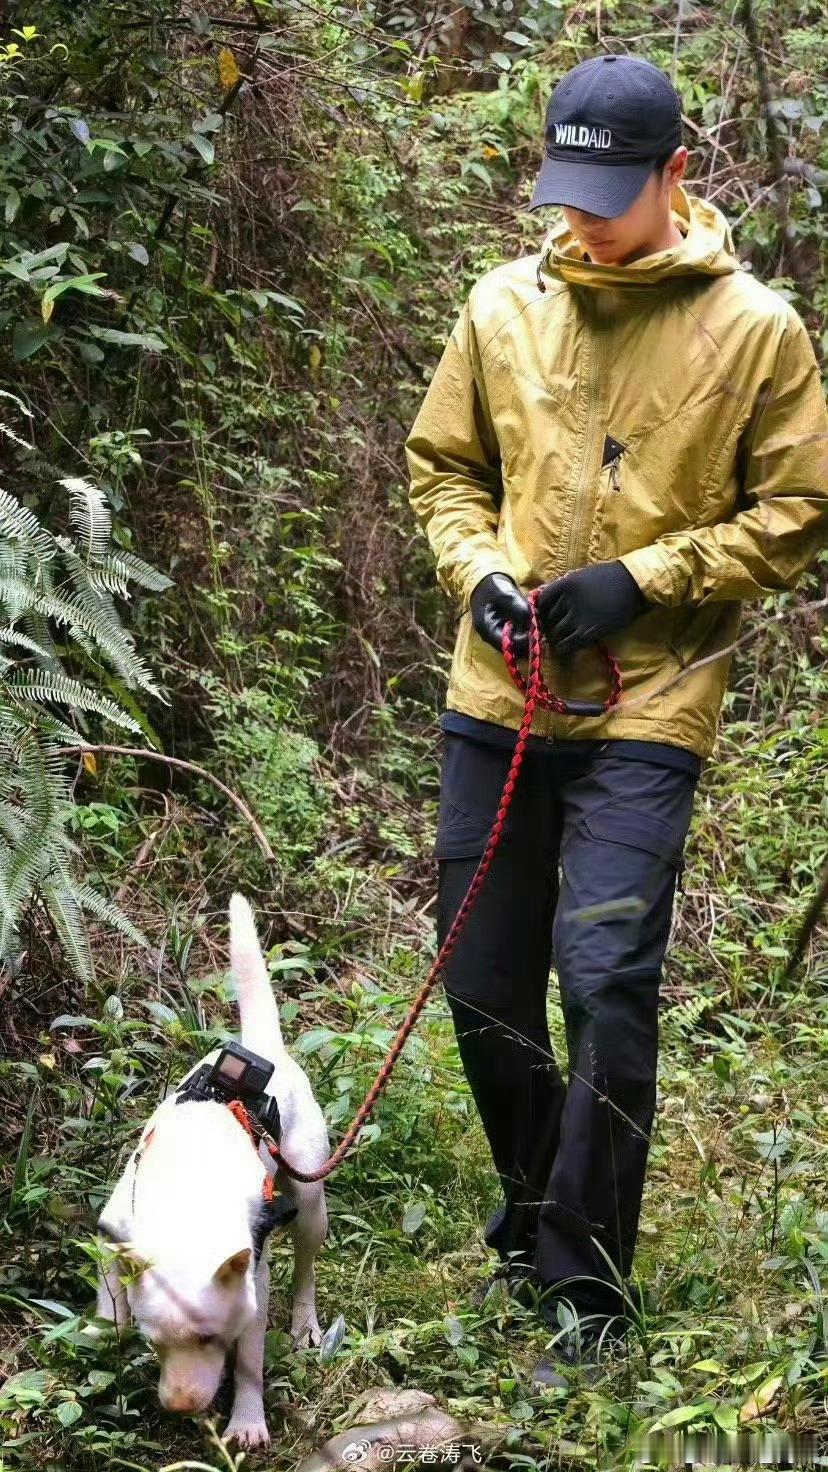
{"x": 182, "y": 1400}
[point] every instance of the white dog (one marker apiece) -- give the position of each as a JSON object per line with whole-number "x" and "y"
{"x": 189, "y": 1213}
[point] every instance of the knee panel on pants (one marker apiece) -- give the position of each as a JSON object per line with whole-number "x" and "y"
{"x": 611, "y": 931}
{"x": 619, "y": 873}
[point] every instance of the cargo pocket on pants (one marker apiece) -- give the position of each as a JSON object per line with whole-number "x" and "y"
{"x": 471, "y": 782}
{"x": 643, "y": 832}
{"x": 610, "y": 935}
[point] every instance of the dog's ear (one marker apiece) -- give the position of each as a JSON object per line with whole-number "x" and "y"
{"x": 234, "y": 1267}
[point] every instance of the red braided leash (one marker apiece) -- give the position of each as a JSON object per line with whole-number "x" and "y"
{"x": 547, "y": 698}
{"x": 536, "y": 694}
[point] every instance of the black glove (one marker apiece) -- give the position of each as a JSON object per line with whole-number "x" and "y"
{"x": 495, "y": 602}
{"x": 582, "y": 607}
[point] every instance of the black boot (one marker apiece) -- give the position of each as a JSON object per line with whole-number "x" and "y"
{"x": 584, "y": 1347}
{"x": 516, "y": 1280}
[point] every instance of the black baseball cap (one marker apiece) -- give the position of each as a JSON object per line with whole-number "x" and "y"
{"x": 607, "y": 122}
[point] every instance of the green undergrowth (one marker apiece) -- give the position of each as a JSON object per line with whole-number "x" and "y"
{"x": 727, "y": 1308}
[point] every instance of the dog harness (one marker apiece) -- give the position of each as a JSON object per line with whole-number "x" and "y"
{"x": 260, "y": 1126}
{"x": 275, "y": 1211}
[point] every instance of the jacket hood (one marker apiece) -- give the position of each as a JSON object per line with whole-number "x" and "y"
{"x": 706, "y": 249}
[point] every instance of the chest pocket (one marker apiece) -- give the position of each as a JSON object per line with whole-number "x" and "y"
{"x": 658, "y": 479}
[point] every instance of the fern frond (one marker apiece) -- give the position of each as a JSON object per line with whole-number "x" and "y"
{"x": 37, "y": 629}
{"x": 685, "y": 1015}
{"x": 89, "y": 515}
{"x": 86, "y": 574}
{"x": 11, "y": 824}
{"x": 67, "y": 917}
{"x": 8, "y": 635}
{"x": 17, "y": 594}
{"x": 89, "y": 621}
{"x": 23, "y": 723}
{"x": 41, "y": 685}
{"x": 24, "y": 408}
{"x": 11, "y": 434}
{"x": 9, "y": 931}
{"x": 19, "y": 560}
{"x": 109, "y": 575}
{"x": 20, "y": 524}
{"x": 86, "y": 613}
{"x": 140, "y": 571}
{"x": 115, "y": 573}
{"x": 31, "y": 852}
{"x": 105, "y": 909}
{"x": 67, "y": 583}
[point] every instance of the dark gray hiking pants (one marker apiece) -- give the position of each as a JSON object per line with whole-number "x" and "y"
{"x": 584, "y": 832}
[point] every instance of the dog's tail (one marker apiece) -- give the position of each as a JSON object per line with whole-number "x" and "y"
{"x": 260, "y": 1030}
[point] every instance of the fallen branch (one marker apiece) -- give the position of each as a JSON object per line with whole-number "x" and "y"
{"x": 176, "y": 761}
{"x": 775, "y": 618}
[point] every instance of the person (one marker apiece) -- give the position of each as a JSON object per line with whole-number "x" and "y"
{"x": 632, "y": 424}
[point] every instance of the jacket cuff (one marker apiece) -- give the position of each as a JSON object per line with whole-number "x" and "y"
{"x": 483, "y": 565}
{"x": 657, "y": 577}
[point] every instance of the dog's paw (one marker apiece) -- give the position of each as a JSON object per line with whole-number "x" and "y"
{"x": 306, "y": 1334}
{"x": 248, "y": 1432}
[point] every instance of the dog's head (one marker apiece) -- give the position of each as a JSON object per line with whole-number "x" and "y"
{"x": 191, "y": 1317}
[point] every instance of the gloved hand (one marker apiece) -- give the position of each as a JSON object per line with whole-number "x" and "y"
{"x": 582, "y": 607}
{"x": 495, "y": 602}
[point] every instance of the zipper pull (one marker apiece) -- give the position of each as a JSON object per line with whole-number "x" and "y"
{"x": 615, "y": 473}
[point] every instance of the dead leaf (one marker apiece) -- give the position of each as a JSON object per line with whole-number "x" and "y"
{"x": 758, "y": 1403}
{"x": 229, "y": 71}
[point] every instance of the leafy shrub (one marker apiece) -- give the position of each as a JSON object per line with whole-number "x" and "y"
{"x": 277, "y": 766}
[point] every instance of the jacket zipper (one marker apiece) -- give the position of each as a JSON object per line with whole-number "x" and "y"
{"x": 575, "y": 528}
{"x": 578, "y": 509}
{"x": 609, "y": 487}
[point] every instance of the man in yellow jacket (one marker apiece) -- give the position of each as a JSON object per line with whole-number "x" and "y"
{"x": 630, "y": 422}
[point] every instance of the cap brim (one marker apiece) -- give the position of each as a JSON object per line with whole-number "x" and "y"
{"x": 606, "y": 190}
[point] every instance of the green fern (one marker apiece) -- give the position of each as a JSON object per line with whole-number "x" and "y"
{"x": 105, "y": 909}
{"x": 684, "y": 1016}
{"x": 50, "y": 582}
{"x": 31, "y": 687}
{"x": 19, "y": 524}
{"x": 67, "y": 917}
{"x": 16, "y": 636}
{"x": 89, "y": 516}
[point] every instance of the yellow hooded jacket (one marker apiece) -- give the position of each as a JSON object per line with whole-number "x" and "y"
{"x": 668, "y": 413}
